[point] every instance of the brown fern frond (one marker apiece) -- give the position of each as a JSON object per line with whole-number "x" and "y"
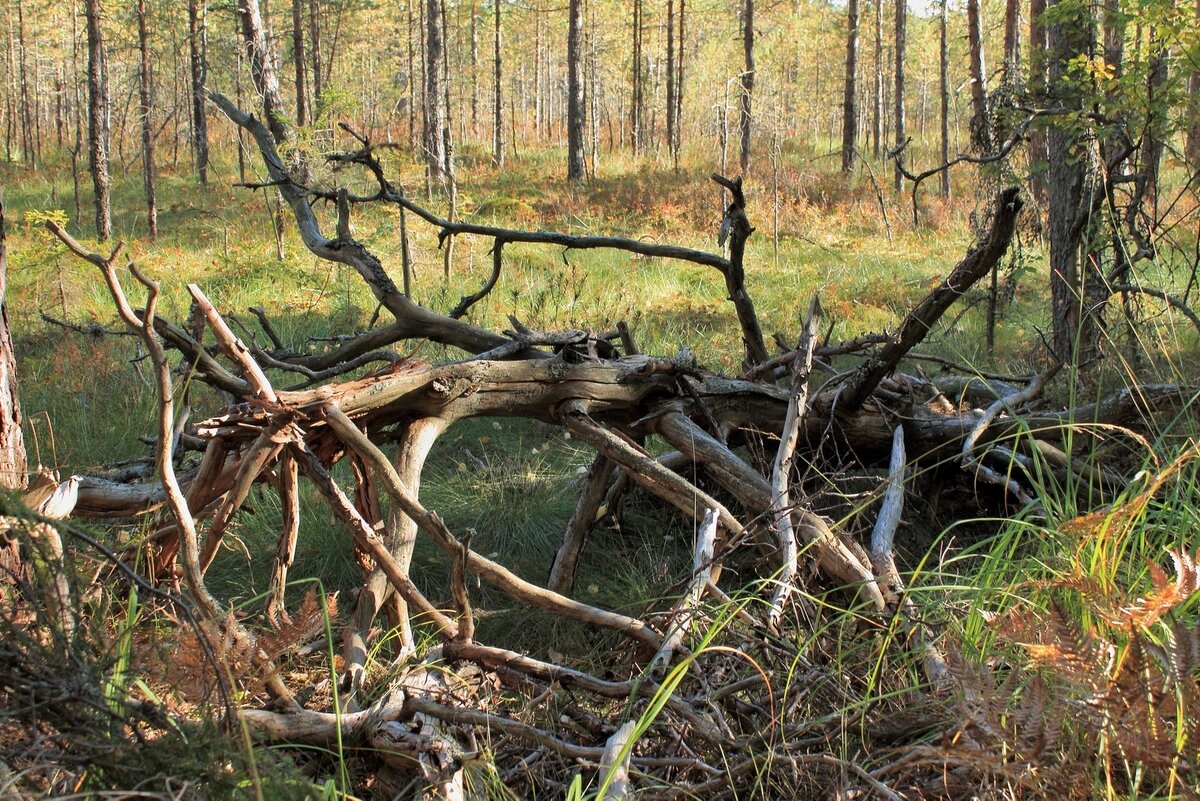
{"x": 1166, "y": 595}
{"x": 1054, "y": 641}
{"x": 1183, "y": 644}
{"x": 1140, "y": 711}
{"x": 305, "y": 624}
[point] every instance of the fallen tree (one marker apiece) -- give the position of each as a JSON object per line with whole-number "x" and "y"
{"x": 712, "y": 714}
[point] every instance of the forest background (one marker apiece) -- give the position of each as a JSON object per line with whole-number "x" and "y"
{"x": 873, "y": 141}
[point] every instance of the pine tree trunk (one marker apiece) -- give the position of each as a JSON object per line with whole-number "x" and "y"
{"x": 575, "y": 98}
{"x": 97, "y": 121}
{"x": 877, "y": 98}
{"x": 635, "y": 105}
{"x": 9, "y": 90}
{"x": 145, "y": 95}
{"x": 1154, "y": 134}
{"x": 314, "y": 46}
{"x": 539, "y": 110}
{"x": 299, "y": 63}
{"x": 747, "y": 82}
{"x": 1038, "y": 57}
{"x": 474, "y": 71}
{"x": 1012, "y": 40}
{"x": 944, "y": 85}
{"x": 901, "y": 39}
{"x": 28, "y": 146}
{"x": 262, "y": 68}
{"x": 981, "y": 133}
{"x": 435, "y": 109}
{"x": 497, "y": 96}
{"x": 1074, "y": 320}
{"x": 850, "y": 101}
{"x": 671, "y": 76}
{"x": 678, "y": 143}
{"x": 197, "y": 46}
{"x": 1192, "y": 140}
{"x": 411, "y": 51}
{"x": 77, "y": 112}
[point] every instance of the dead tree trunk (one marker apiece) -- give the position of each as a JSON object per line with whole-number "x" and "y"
{"x": 609, "y": 402}
{"x": 13, "y": 465}
{"x": 13, "y": 462}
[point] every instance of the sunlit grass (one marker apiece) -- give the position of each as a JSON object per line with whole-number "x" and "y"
{"x": 512, "y": 485}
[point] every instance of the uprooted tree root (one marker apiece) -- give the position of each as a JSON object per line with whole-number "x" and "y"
{"x": 724, "y": 689}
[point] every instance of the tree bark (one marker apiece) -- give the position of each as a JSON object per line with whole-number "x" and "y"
{"x": 747, "y": 81}
{"x": 677, "y": 144}
{"x": 901, "y": 36}
{"x": 314, "y": 42}
{"x": 13, "y": 464}
{"x": 98, "y": 121}
{"x": 298, "y": 61}
{"x": 944, "y": 85}
{"x": 262, "y": 68}
{"x": 1038, "y": 89}
{"x": 981, "y": 134}
{"x": 497, "y": 92}
{"x": 575, "y": 98}
{"x": 850, "y": 101}
{"x": 1154, "y": 134}
{"x": 1192, "y": 135}
{"x": 1072, "y": 320}
{"x": 411, "y": 52}
{"x": 435, "y": 98}
{"x": 636, "y": 113}
{"x": 145, "y": 93}
{"x": 28, "y": 145}
{"x": 197, "y": 48}
{"x": 1012, "y": 40}
{"x": 474, "y": 70}
{"x": 877, "y": 98}
{"x": 671, "y": 77}
{"x": 10, "y": 112}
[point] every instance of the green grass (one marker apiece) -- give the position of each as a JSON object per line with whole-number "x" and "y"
{"x": 512, "y": 484}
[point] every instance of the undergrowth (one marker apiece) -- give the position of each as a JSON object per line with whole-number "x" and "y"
{"x": 1072, "y": 635}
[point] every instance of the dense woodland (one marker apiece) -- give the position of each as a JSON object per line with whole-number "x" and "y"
{"x": 664, "y": 398}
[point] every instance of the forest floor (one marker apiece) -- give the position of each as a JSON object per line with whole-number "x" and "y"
{"x": 87, "y": 394}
